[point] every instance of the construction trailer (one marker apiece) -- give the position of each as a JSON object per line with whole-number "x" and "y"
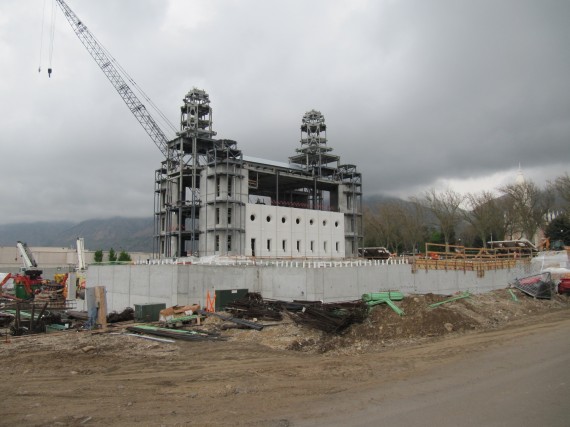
{"x": 210, "y": 199}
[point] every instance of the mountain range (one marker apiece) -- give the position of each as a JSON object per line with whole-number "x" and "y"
{"x": 119, "y": 233}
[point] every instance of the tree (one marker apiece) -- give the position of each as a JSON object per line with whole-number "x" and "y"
{"x": 414, "y": 228}
{"x": 469, "y": 237}
{"x": 486, "y": 216}
{"x": 389, "y": 223}
{"x": 124, "y": 257}
{"x": 98, "y": 256}
{"x": 112, "y": 255}
{"x": 509, "y": 224}
{"x": 372, "y": 230}
{"x": 445, "y": 206}
{"x": 559, "y": 229}
{"x": 530, "y": 205}
{"x": 562, "y": 187}
{"x": 382, "y": 225}
{"x": 395, "y": 224}
{"x": 436, "y": 236}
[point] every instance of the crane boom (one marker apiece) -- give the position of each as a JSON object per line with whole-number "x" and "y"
{"x": 80, "y": 254}
{"x": 26, "y": 254}
{"x": 106, "y": 64}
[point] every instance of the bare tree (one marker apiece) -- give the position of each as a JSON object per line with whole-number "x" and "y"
{"x": 508, "y": 225}
{"x": 383, "y": 224}
{"x": 391, "y": 214}
{"x": 372, "y": 229}
{"x": 530, "y": 205}
{"x": 395, "y": 224}
{"x": 414, "y": 231}
{"x": 562, "y": 186}
{"x": 486, "y": 216}
{"x": 445, "y": 206}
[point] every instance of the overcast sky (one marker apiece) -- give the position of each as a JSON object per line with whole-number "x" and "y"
{"x": 418, "y": 94}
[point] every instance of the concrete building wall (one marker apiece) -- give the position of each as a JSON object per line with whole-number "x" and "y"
{"x": 223, "y": 194}
{"x": 346, "y": 202}
{"x": 44, "y": 256}
{"x": 282, "y": 232}
{"x": 128, "y": 286}
{"x": 187, "y": 284}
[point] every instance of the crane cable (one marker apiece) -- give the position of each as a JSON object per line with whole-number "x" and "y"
{"x": 135, "y": 86}
{"x": 164, "y": 118}
{"x": 42, "y": 36}
{"x": 52, "y": 36}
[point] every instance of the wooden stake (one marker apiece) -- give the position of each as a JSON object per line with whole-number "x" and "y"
{"x": 101, "y": 301}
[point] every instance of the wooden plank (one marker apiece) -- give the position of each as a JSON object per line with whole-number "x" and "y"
{"x": 32, "y": 318}
{"x": 256, "y": 326}
{"x": 43, "y": 310}
{"x": 101, "y": 301}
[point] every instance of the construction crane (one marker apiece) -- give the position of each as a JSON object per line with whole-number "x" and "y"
{"x": 32, "y": 275}
{"x": 30, "y": 264}
{"x": 107, "y": 65}
{"x": 80, "y": 254}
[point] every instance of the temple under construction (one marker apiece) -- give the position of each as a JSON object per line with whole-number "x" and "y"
{"x": 210, "y": 199}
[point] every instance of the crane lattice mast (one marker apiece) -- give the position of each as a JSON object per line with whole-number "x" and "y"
{"x": 106, "y": 64}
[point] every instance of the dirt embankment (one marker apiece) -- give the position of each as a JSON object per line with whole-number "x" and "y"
{"x": 85, "y": 378}
{"x": 384, "y": 328}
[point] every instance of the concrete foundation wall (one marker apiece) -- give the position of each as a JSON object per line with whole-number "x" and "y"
{"x": 188, "y": 284}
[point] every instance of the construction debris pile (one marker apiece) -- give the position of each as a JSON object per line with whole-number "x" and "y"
{"x": 253, "y": 306}
{"x": 377, "y": 316}
{"x": 113, "y": 317}
{"x": 330, "y": 317}
{"x": 124, "y": 316}
{"x": 52, "y": 294}
{"x": 26, "y": 317}
{"x": 46, "y": 313}
{"x": 537, "y": 285}
{"x": 176, "y": 333}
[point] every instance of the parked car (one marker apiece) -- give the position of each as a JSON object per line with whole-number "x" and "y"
{"x": 379, "y": 252}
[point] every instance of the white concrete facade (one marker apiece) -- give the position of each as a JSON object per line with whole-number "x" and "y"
{"x": 282, "y": 232}
{"x": 222, "y": 214}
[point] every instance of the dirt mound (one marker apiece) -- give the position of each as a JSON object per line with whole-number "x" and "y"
{"x": 384, "y": 327}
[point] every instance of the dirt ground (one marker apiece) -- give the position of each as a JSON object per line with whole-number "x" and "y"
{"x": 253, "y": 378}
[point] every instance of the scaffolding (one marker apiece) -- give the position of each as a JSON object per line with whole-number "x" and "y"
{"x": 315, "y": 158}
{"x": 351, "y": 183}
{"x": 177, "y": 182}
{"x": 204, "y": 185}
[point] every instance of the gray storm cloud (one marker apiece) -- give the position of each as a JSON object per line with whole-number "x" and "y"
{"x": 413, "y": 92}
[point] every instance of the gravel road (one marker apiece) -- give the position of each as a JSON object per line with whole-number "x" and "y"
{"x": 521, "y": 379}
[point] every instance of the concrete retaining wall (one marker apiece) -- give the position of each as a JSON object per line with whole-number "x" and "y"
{"x": 187, "y": 284}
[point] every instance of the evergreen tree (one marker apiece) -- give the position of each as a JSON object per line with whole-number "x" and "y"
{"x": 124, "y": 257}
{"x": 559, "y": 229}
